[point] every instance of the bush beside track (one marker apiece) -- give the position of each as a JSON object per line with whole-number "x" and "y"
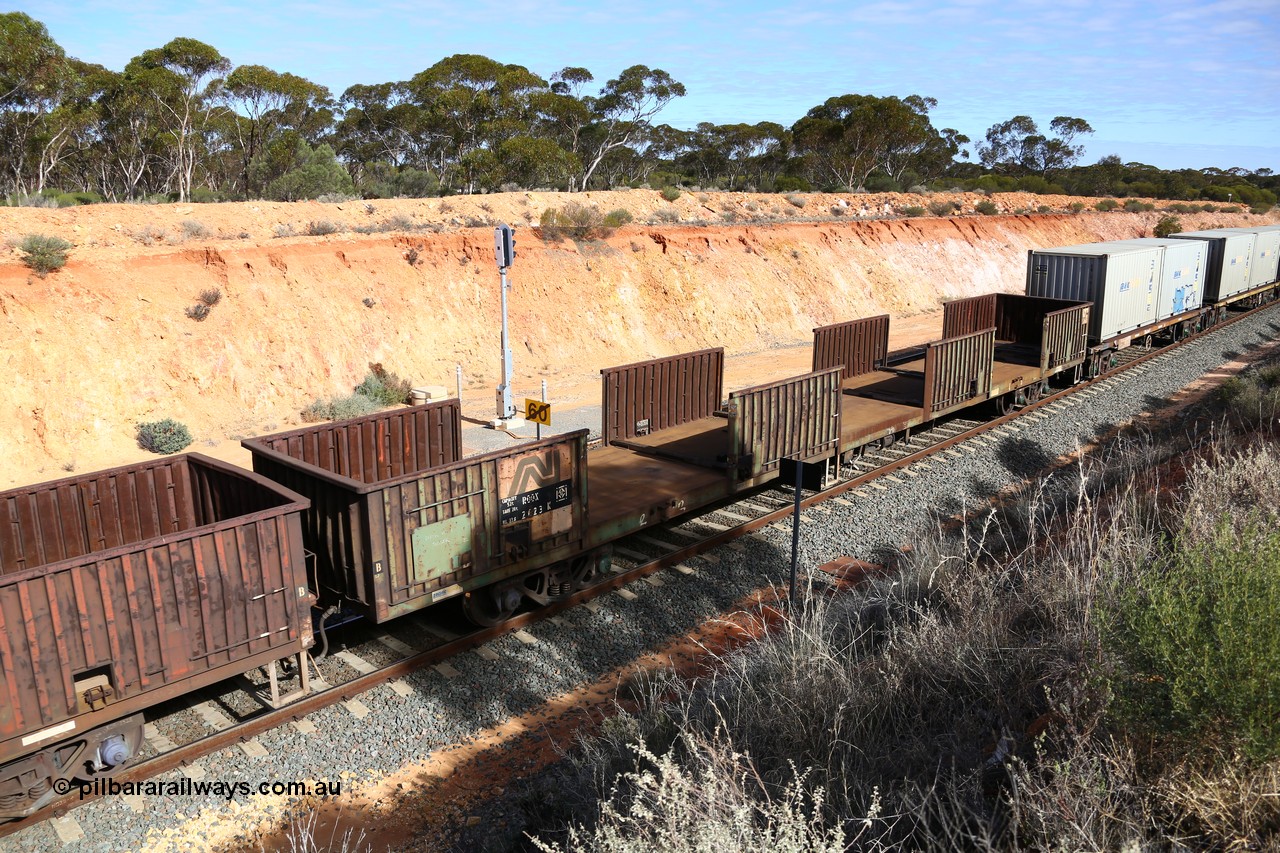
{"x": 1048, "y": 677}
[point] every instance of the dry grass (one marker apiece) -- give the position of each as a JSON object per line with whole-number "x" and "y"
{"x": 961, "y": 703}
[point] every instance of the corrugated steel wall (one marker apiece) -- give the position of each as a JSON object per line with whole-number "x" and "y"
{"x": 797, "y": 417}
{"x": 1230, "y": 254}
{"x": 1065, "y": 337}
{"x": 965, "y": 316}
{"x": 149, "y": 613}
{"x": 957, "y": 370}
{"x": 1263, "y": 266}
{"x": 380, "y": 446}
{"x": 474, "y": 488}
{"x": 857, "y": 346}
{"x": 663, "y": 392}
{"x": 1121, "y": 287}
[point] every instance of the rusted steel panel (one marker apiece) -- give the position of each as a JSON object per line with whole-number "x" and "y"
{"x": 798, "y": 417}
{"x": 649, "y": 396}
{"x": 1065, "y": 338}
{"x": 151, "y": 579}
{"x": 966, "y": 316}
{"x": 857, "y": 347}
{"x": 377, "y": 447}
{"x": 957, "y": 371}
{"x": 376, "y": 544}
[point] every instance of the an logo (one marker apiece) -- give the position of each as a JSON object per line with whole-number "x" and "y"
{"x": 534, "y": 470}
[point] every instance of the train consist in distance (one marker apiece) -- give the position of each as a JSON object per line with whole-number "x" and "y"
{"x": 125, "y": 588}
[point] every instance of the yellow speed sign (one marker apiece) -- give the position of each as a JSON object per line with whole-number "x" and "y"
{"x": 537, "y": 411}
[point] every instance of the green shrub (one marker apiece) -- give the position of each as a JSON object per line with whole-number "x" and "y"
{"x": 986, "y": 208}
{"x": 43, "y": 253}
{"x": 1208, "y": 208}
{"x": 198, "y": 312}
{"x": 790, "y": 184}
{"x": 315, "y": 172}
{"x": 1252, "y": 399}
{"x": 1231, "y": 208}
{"x": 204, "y": 195}
{"x": 574, "y": 220}
{"x": 384, "y": 387}
{"x": 797, "y": 200}
{"x": 943, "y": 208}
{"x": 617, "y": 218}
{"x": 670, "y": 193}
{"x": 166, "y": 436}
{"x": 1077, "y": 206}
{"x": 1199, "y": 631}
{"x": 1260, "y": 208}
{"x": 339, "y": 408}
{"x": 1135, "y": 206}
{"x": 1167, "y": 225}
{"x": 913, "y": 210}
{"x": 1106, "y": 204}
{"x": 194, "y": 229}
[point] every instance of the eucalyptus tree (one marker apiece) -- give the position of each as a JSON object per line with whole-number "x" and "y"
{"x": 1016, "y": 146}
{"x": 262, "y": 107}
{"x": 34, "y": 77}
{"x": 623, "y": 112}
{"x": 180, "y": 77}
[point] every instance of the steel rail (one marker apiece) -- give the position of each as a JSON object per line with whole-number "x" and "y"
{"x": 268, "y": 720}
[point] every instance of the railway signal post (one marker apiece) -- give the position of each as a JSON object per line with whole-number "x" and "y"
{"x": 504, "y": 252}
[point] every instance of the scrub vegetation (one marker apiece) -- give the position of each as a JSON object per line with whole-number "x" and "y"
{"x": 1090, "y": 668}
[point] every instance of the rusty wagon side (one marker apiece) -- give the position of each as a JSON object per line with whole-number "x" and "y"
{"x": 415, "y": 523}
{"x": 124, "y": 588}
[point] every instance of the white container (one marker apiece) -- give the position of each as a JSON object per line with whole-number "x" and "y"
{"x": 1264, "y": 265}
{"x": 1180, "y": 285}
{"x": 1230, "y": 255}
{"x": 1119, "y": 279}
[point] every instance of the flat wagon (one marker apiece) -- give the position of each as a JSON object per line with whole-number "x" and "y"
{"x": 399, "y": 521}
{"x": 124, "y": 588}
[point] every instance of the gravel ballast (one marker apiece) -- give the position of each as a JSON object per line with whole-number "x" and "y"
{"x": 583, "y": 644}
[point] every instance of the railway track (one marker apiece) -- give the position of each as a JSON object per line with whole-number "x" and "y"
{"x": 377, "y": 655}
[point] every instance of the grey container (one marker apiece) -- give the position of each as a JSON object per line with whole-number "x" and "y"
{"x": 1182, "y": 270}
{"x": 1230, "y": 256}
{"x": 1264, "y": 265}
{"x": 1119, "y": 279}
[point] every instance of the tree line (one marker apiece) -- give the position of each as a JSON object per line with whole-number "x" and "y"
{"x": 181, "y": 121}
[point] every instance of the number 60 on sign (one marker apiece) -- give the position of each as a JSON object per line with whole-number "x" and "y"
{"x": 537, "y": 411}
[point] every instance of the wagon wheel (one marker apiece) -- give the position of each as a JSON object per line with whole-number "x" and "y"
{"x": 1033, "y": 393}
{"x": 1147, "y": 341}
{"x": 888, "y": 441}
{"x": 1005, "y": 403}
{"x": 117, "y": 752}
{"x": 489, "y": 607}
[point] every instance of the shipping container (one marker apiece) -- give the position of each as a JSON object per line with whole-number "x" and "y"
{"x": 124, "y": 588}
{"x": 651, "y": 396}
{"x": 857, "y": 346}
{"x": 393, "y": 545}
{"x": 1183, "y": 264}
{"x": 1118, "y": 280}
{"x": 1230, "y": 254}
{"x": 1264, "y": 263}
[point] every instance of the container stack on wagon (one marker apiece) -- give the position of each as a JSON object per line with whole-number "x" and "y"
{"x": 1227, "y": 266}
{"x": 124, "y": 588}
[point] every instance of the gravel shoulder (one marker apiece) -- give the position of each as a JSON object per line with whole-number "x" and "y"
{"x": 582, "y": 645}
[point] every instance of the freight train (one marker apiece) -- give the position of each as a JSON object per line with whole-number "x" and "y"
{"x": 125, "y": 588}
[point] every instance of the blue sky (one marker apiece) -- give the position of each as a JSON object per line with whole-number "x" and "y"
{"x": 1175, "y": 84}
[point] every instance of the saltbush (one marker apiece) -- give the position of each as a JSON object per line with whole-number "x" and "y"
{"x": 43, "y": 253}
{"x": 339, "y": 408}
{"x": 796, "y": 200}
{"x": 986, "y": 208}
{"x": 574, "y": 220}
{"x": 384, "y": 387}
{"x": 670, "y": 193}
{"x": 913, "y": 210}
{"x": 943, "y": 208}
{"x": 1199, "y": 634}
{"x": 166, "y": 436}
{"x": 617, "y": 218}
{"x": 1106, "y": 204}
